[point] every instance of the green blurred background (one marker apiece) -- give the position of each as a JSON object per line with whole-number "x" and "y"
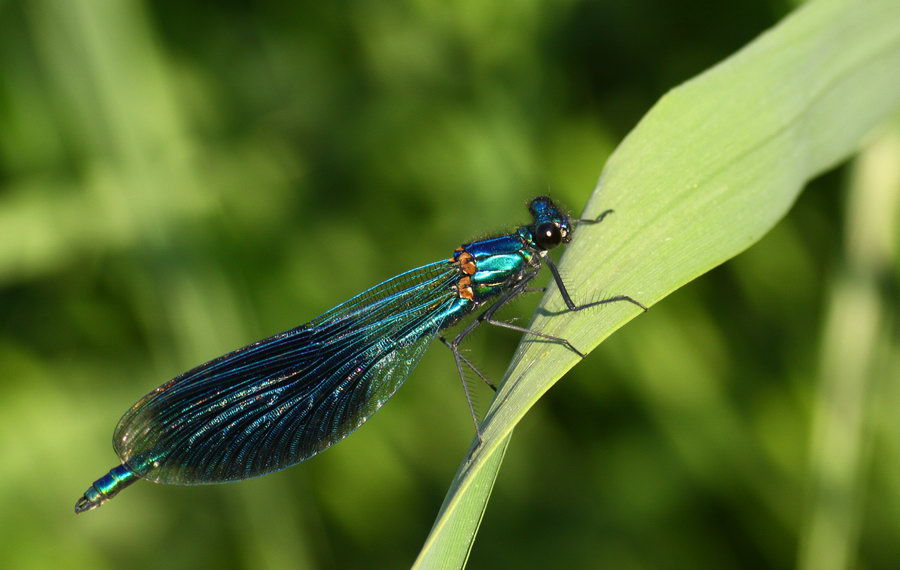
{"x": 179, "y": 178}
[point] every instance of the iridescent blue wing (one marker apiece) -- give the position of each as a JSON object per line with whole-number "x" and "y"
{"x": 281, "y": 400}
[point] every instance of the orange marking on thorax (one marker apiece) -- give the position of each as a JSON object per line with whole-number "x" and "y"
{"x": 466, "y": 263}
{"x": 465, "y": 260}
{"x": 463, "y": 288}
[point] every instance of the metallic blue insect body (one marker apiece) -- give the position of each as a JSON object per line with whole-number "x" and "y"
{"x": 283, "y": 399}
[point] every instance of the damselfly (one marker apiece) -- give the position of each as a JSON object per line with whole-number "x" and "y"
{"x": 279, "y": 401}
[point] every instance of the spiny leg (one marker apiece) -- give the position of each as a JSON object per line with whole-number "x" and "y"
{"x": 565, "y": 292}
{"x": 488, "y": 313}
{"x": 596, "y": 220}
{"x": 563, "y": 341}
{"x": 487, "y": 316}
{"x": 571, "y": 304}
{"x": 458, "y": 359}
{"x": 468, "y": 363}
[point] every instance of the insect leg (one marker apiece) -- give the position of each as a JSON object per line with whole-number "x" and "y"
{"x": 468, "y": 363}
{"x": 488, "y": 317}
{"x": 571, "y": 304}
{"x": 596, "y": 220}
{"x": 458, "y": 359}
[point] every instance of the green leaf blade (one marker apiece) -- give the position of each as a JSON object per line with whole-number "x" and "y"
{"x": 707, "y": 172}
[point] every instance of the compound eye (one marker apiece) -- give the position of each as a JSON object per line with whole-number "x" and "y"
{"x": 548, "y": 236}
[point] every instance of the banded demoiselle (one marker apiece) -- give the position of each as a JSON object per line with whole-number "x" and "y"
{"x": 281, "y": 400}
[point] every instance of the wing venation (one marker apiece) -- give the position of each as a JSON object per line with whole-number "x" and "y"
{"x": 283, "y": 399}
